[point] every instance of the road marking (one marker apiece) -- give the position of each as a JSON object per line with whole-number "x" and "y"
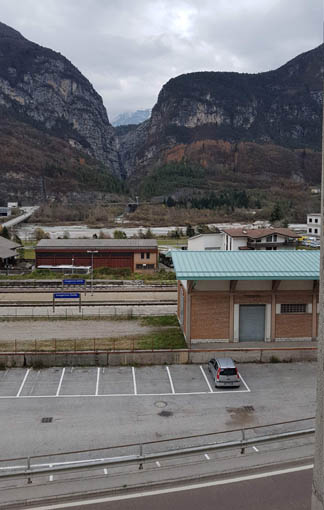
{"x": 207, "y": 456}
{"x": 205, "y": 377}
{"x": 51, "y": 477}
{"x": 134, "y": 381}
{"x": 23, "y": 382}
{"x": 97, "y": 383}
{"x": 255, "y": 448}
{"x": 248, "y": 389}
{"x": 60, "y": 383}
{"x": 221, "y": 392}
{"x": 158, "y": 464}
{"x": 170, "y": 379}
{"x": 174, "y": 489}
{"x": 106, "y": 471}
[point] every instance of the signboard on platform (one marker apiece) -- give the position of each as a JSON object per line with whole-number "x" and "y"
{"x": 73, "y": 282}
{"x": 66, "y": 295}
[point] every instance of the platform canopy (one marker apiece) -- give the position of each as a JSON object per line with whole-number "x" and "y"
{"x": 247, "y": 265}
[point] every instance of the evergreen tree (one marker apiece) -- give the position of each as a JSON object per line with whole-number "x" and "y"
{"x": 5, "y": 233}
{"x": 190, "y": 232}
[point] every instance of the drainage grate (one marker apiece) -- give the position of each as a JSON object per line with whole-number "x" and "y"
{"x": 47, "y": 419}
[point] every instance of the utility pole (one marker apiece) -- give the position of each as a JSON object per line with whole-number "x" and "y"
{"x": 318, "y": 472}
{"x": 92, "y": 253}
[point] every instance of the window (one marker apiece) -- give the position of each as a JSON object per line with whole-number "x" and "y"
{"x": 144, "y": 266}
{"x": 274, "y": 238}
{"x": 269, "y": 239}
{"x": 309, "y": 230}
{"x": 142, "y": 255}
{"x": 316, "y": 220}
{"x": 148, "y": 255}
{"x": 315, "y": 230}
{"x": 310, "y": 220}
{"x": 293, "y": 308}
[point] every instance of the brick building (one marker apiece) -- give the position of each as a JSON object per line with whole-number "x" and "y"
{"x": 135, "y": 254}
{"x": 239, "y": 296}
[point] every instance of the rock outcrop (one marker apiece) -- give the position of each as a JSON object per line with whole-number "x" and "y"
{"x": 279, "y": 108}
{"x": 42, "y": 87}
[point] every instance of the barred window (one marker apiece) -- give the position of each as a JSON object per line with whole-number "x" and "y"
{"x": 293, "y": 308}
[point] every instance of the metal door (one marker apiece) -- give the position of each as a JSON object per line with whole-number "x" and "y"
{"x": 252, "y": 323}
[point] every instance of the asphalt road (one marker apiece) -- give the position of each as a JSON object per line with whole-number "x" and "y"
{"x": 285, "y": 491}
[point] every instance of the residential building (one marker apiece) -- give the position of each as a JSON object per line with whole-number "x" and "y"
{"x": 213, "y": 241}
{"x": 136, "y": 254}
{"x": 232, "y": 239}
{"x": 8, "y": 252}
{"x": 314, "y": 224}
{"x": 239, "y": 296}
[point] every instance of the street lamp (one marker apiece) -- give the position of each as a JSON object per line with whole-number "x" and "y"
{"x": 92, "y": 253}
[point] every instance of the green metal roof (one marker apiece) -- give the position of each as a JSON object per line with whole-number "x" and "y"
{"x": 247, "y": 265}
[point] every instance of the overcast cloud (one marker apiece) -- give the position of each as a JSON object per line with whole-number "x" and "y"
{"x": 129, "y": 48}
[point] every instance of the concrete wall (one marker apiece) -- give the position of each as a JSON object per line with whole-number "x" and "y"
{"x": 156, "y": 358}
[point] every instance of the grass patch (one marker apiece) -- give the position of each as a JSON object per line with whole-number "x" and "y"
{"x": 166, "y": 339}
{"x": 163, "y": 320}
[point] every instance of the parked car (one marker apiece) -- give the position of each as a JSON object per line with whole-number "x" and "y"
{"x": 224, "y": 372}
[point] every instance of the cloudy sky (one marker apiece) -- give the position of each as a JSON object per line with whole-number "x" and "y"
{"x": 129, "y": 48}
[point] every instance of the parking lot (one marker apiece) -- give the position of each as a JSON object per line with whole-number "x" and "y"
{"x": 111, "y": 382}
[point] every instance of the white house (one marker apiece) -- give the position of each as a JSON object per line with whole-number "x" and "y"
{"x": 314, "y": 224}
{"x": 202, "y": 242}
{"x": 233, "y": 239}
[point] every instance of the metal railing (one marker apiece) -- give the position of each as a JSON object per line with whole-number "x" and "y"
{"x": 31, "y": 466}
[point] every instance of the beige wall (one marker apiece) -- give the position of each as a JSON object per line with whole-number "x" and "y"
{"x": 151, "y": 260}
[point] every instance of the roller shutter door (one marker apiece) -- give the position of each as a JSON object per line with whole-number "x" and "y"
{"x": 252, "y": 323}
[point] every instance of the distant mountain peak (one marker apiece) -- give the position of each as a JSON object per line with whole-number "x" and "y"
{"x": 7, "y": 32}
{"x": 131, "y": 117}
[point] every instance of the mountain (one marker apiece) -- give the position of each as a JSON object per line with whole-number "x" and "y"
{"x": 238, "y": 127}
{"x": 123, "y": 119}
{"x": 41, "y": 88}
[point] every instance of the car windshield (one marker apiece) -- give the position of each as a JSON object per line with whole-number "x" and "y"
{"x": 228, "y": 371}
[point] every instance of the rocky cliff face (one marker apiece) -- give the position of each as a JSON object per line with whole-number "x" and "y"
{"x": 279, "y": 108}
{"x": 43, "y": 88}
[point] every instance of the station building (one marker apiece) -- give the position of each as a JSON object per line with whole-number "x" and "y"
{"x": 140, "y": 255}
{"x": 239, "y": 296}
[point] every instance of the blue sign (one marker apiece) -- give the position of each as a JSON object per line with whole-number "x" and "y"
{"x": 66, "y": 295}
{"x": 73, "y": 282}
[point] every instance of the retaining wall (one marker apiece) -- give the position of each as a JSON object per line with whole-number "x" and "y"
{"x": 167, "y": 357}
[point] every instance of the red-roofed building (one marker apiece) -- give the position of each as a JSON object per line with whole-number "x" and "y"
{"x": 232, "y": 239}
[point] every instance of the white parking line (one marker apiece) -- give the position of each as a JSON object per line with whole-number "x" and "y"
{"x": 205, "y": 377}
{"x": 170, "y": 379}
{"x": 97, "y": 383}
{"x": 134, "y": 381}
{"x": 60, "y": 383}
{"x": 23, "y": 382}
{"x": 248, "y": 389}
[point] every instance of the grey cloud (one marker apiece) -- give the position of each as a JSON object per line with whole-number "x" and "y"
{"x": 130, "y": 48}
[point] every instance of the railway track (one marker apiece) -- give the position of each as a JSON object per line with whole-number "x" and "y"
{"x": 7, "y": 286}
{"x": 46, "y": 304}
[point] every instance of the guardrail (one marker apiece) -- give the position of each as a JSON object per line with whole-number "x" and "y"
{"x": 31, "y": 466}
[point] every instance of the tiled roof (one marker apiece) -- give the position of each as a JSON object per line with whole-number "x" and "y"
{"x": 256, "y": 233}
